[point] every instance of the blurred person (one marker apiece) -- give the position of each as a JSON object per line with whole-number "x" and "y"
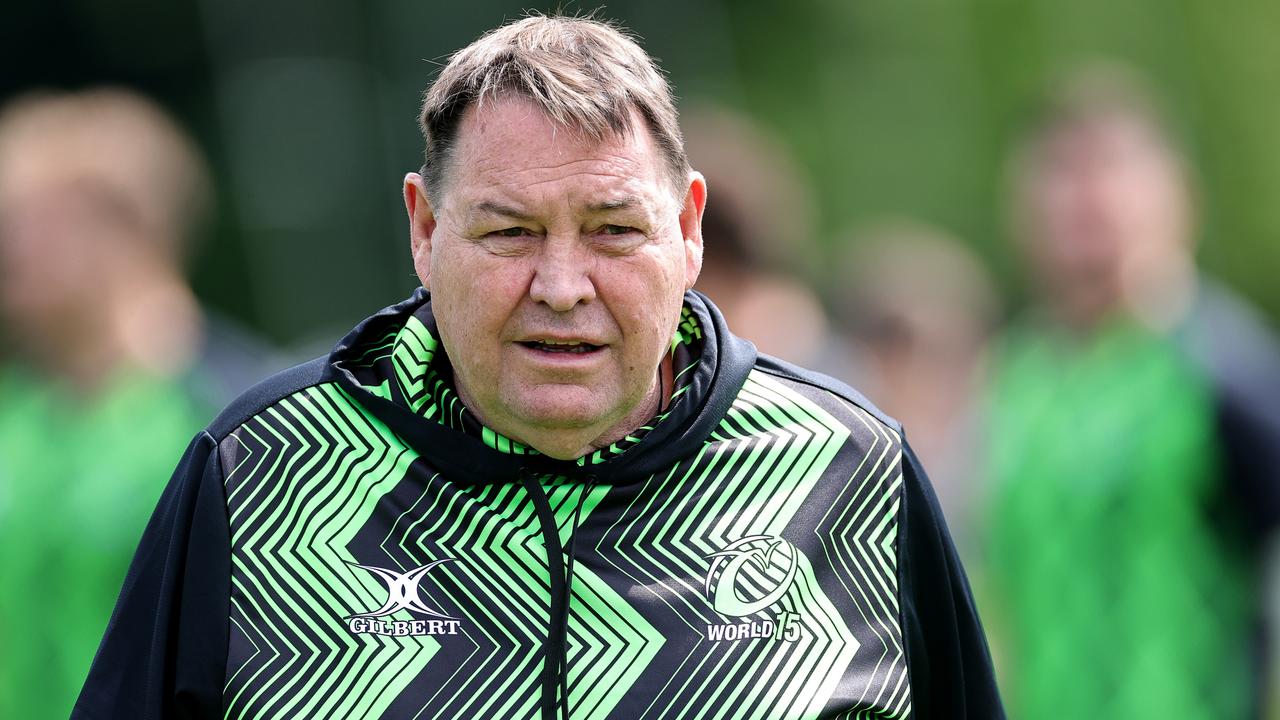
{"x": 1132, "y": 457}
{"x": 551, "y": 483}
{"x": 99, "y": 191}
{"x": 760, "y": 238}
{"x": 921, "y": 309}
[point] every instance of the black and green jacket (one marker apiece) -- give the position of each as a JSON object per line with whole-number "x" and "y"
{"x": 346, "y": 541}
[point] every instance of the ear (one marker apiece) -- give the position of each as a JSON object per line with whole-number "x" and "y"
{"x": 422, "y": 225}
{"x": 695, "y": 201}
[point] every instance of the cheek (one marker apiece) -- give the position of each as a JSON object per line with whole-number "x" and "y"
{"x": 458, "y": 297}
{"x": 647, "y": 307}
{"x": 463, "y": 270}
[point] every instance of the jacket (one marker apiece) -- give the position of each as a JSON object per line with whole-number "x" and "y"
{"x": 347, "y": 541}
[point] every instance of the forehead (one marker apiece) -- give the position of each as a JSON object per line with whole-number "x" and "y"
{"x": 508, "y": 147}
{"x": 1105, "y": 138}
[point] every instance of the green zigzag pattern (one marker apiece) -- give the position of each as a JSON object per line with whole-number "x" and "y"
{"x": 609, "y": 642}
{"x": 494, "y": 528}
{"x": 779, "y": 444}
{"x": 339, "y": 462}
{"x": 859, "y": 534}
{"x": 307, "y": 474}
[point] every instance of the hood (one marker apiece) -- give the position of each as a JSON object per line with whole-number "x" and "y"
{"x": 384, "y": 362}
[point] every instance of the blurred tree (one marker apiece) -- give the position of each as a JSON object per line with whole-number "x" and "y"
{"x": 898, "y": 107}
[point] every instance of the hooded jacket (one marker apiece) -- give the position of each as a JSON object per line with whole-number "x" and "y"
{"x": 346, "y": 540}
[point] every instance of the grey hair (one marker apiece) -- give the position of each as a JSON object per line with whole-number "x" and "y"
{"x": 583, "y": 73}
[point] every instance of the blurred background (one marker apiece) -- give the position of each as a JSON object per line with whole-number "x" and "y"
{"x": 1044, "y": 235}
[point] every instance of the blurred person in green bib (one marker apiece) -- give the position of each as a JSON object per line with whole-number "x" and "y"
{"x": 1133, "y": 435}
{"x": 101, "y": 335}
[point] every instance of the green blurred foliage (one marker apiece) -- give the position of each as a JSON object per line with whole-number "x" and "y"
{"x": 894, "y": 107}
{"x": 908, "y": 106}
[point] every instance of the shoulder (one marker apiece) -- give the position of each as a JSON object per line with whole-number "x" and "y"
{"x": 267, "y": 393}
{"x": 841, "y": 400}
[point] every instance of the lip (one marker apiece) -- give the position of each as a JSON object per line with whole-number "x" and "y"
{"x": 561, "y": 359}
{"x": 560, "y": 338}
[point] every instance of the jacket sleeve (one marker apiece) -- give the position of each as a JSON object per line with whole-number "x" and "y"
{"x": 947, "y": 655}
{"x": 164, "y": 652}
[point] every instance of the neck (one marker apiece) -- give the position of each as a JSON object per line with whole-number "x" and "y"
{"x": 658, "y": 399}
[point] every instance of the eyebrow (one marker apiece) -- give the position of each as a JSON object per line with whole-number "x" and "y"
{"x": 622, "y": 203}
{"x": 493, "y": 208}
{"x": 489, "y": 207}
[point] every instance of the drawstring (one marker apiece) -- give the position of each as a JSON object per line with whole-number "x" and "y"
{"x": 555, "y": 638}
{"x": 555, "y": 663}
{"x": 589, "y": 482}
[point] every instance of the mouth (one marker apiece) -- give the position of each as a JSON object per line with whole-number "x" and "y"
{"x": 571, "y": 347}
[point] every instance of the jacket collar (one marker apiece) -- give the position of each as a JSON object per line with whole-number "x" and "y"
{"x": 371, "y": 365}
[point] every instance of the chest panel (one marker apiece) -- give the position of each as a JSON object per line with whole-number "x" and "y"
{"x": 756, "y": 579}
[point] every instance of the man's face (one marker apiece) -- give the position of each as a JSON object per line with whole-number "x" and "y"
{"x": 557, "y": 267}
{"x": 1102, "y": 198}
{"x": 60, "y": 240}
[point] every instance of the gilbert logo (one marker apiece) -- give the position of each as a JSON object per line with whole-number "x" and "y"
{"x": 746, "y": 577}
{"x": 402, "y": 594}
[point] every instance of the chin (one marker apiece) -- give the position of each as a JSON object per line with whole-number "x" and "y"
{"x": 567, "y": 407}
{"x": 560, "y": 418}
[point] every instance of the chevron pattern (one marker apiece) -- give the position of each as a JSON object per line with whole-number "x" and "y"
{"x": 321, "y": 494}
{"x": 302, "y": 478}
{"x": 492, "y": 668}
{"x": 859, "y": 537}
{"x": 771, "y": 455}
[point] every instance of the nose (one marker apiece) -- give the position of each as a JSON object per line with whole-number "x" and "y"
{"x": 561, "y": 277}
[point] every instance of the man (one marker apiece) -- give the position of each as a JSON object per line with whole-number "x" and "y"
{"x": 104, "y": 374}
{"x": 921, "y": 309}
{"x": 762, "y": 221}
{"x": 551, "y": 483}
{"x": 1133, "y": 434}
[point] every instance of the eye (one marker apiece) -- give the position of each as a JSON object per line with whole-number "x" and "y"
{"x": 617, "y": 239}
{"x": 508, "y": 241}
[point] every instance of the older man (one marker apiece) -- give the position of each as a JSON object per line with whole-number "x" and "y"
{"x": 551, "y": 483}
